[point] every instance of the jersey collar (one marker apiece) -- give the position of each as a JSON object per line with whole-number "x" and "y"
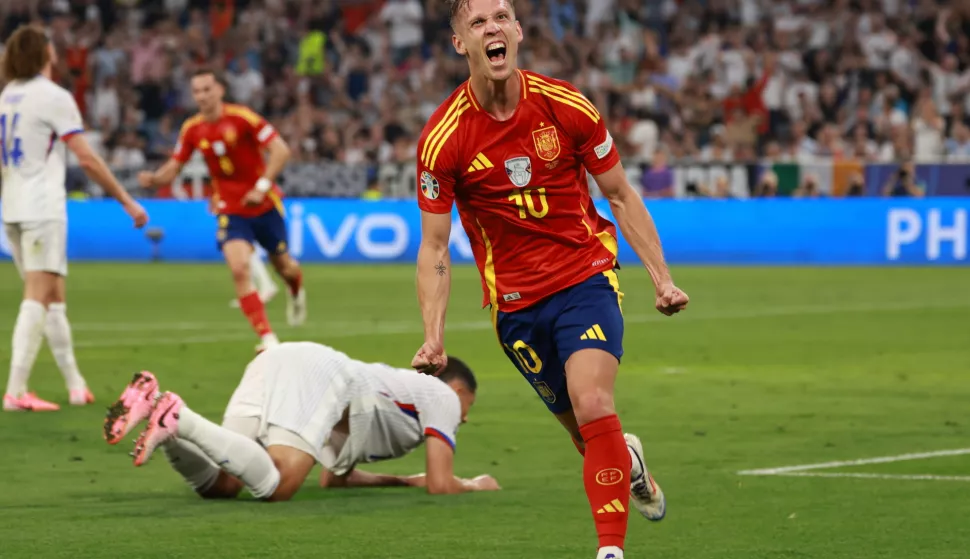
{"x": 523, "y": 94}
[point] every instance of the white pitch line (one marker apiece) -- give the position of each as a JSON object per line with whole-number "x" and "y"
{"x": 904, "y": 477}
{"x": 347, "y": 329}
{"x": 410, "y": 326}
{"x": 787, "y": 470}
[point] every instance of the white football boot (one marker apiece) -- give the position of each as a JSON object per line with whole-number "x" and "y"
{"x": 646, "y": 494}
{"x": 296, "y": 308}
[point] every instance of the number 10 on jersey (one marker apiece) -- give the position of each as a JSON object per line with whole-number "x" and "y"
{"x": 11, "y": 148}
{"x": 525, "y": 201}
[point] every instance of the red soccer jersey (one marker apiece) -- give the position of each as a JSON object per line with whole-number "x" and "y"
{"x": 521, "y": 188}
{"x": 233, "y": 150}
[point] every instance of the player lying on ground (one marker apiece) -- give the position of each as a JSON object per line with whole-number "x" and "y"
{"x": 512, "y": 148}
{"x": 39, "y": 122}
{"x": 232, "y": 139}
{"x": 298, "y": 404}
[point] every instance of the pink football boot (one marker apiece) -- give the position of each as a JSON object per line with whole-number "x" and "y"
{"x": 27, "y": 402}
{"x": 80, "y": 397}
{"x": 162, "y": 426}
{"x": 135, "y": 405}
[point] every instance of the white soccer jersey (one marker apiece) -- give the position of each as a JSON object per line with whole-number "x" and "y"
{"x": 305, "y": 388}
{"x": 36, "y": 116}
{"x": 391, "y": 416}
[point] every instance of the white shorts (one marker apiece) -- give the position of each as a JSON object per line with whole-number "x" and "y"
{"x": 293, "y": 409}
{"x": 38, "y": 246}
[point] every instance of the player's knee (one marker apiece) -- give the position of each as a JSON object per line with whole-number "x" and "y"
{"x": 592, "y": 404}
{"x": 293, "y": 466}
{"x": 240, "y": 272}
{"x": 225, "y": 486}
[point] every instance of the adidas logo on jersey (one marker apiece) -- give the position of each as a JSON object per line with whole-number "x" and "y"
{"x": 480, "y": 163}
{"x": 594, "y": 333}
{"x": 613, "y": 506}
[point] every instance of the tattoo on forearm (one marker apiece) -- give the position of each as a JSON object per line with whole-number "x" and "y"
{"x": 441, "y": 268}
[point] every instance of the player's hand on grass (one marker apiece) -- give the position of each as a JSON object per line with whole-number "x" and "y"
{"x": 137, "y": 213}
{"x": 430, "y": 358}
{"x": 670, "y": 299}
{"x": 254, "y": 197}
{"x": 483, "y": 482}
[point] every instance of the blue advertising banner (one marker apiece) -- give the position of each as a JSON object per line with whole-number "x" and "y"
{"x": 775, "y": 231}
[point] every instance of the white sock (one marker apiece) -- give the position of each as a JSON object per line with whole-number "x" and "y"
{"x": 611, "y": 552}
{"x": 234, "y": 453}
{"x": 28, "y": 335}
{"x": 191, "y": 463}
{"x": 257, "y": 270}
{"x": 57, "y": 329}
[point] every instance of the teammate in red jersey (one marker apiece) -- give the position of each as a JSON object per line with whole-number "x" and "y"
{"x": 232, "y": 139}
{"x": 512, "y": 148}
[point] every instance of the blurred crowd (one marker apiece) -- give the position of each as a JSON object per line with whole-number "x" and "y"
{"x": 354, "y": 81}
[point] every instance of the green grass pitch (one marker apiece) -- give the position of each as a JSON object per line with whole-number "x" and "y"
{"x": 770, "y": 367}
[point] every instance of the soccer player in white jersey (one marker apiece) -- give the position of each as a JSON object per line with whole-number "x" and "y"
{"x": 302, "y": 403}
{"x": 39, "y": 122}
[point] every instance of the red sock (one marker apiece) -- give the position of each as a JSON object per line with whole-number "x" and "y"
{"x": 295, "y": 283}
{"x": 253, "y": 308}
{"x": 606, "y": 475}
{"x": 579, "y": 446}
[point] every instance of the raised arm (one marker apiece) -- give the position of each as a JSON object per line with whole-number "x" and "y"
{"x": 638, "y": 228}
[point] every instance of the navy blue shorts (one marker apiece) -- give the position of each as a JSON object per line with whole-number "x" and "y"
{"x": 541, "y": 338}
{"x": 268, "y": 229}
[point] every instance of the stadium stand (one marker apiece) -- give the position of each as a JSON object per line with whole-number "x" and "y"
{"x": 807, "y": 91}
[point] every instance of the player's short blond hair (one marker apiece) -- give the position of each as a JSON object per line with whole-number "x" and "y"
{"x": 26, "y": 53}
{"x": 456, "y": 6}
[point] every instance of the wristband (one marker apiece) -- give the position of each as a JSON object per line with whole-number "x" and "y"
{"x": 264, "y": 184}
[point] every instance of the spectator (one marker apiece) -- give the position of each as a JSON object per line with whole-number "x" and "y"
{"x": 958, "y": 147}
{"x": 928, "y": 129}
{"x": 246, "y": 85}
{"x": 738, "y": 80}
{"x": 404, "y": 18}
{"x": 658, "y": 181}
{"x": 905, "y": 183}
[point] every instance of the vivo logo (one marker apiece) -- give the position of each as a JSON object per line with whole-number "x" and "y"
{"x": 375, "y": 236}
{"x": 935, "y": 232}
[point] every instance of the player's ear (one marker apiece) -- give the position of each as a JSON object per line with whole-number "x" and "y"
{"x": 518, "y": 32}
{"x": 459, "y": 45}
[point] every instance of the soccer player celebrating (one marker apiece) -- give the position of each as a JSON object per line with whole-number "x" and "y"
{"x": 302, "y": 403}
{"x": 512, "y": 149}
{"x": 39, "y": 122}
{"x": 232, "y": 139}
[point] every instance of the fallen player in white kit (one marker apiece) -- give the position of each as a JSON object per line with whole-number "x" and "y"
{"x": 298, "y": 404}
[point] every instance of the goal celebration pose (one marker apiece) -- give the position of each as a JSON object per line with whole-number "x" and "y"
{"x": 511, "y": 149}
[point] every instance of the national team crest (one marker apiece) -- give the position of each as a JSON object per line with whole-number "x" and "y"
{"x": 547, "y": 143}
{"x": 429, "y": 186}
{"x": 543, "y": 389}
{"x": 231, "y": 136}
{"x": 519, "y": 170}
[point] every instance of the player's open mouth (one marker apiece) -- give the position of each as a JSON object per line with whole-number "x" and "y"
{"x": 496, "y": 52}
